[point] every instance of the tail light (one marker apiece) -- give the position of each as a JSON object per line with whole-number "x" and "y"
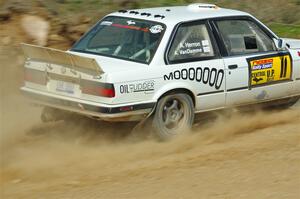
{"x": 87, "y": 87}
{"x": 98, "y": 89}
{"x": 35, "y": 76}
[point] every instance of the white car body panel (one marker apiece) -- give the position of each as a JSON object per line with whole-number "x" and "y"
{"x": 183, "y": 13}
{"x": 137, "y": 84}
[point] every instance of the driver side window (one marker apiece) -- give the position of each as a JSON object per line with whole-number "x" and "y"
{"x": 244, "y": 37}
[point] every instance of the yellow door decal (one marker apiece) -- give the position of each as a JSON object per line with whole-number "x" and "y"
{"x": 270, "y": 70}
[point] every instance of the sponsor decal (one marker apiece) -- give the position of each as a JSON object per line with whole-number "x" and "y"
{"x": 257, "y": 77}
{"x": 145, "y": 86}
{"x": 206, "y": 49}
{"x": 270, "y": 69}
{"x": 156, "y": 29}
{"x": 211, "y": 76}
{"x": 205, "y": 43}
{"x": 106, "y": 23}
{"x": 131, "y": 27}
{"x": 262, "y": 64}
{"x": 130, "y": 22}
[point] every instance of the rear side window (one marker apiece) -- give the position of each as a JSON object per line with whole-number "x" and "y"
{"x": 191, "y": 42}
{"x": 244, "y": 37}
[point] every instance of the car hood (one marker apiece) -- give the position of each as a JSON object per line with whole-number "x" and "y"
{"x": 112, "y": 65}
{"x": 292, "y": 43}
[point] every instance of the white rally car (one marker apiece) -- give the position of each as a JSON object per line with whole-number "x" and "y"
{"x": 165, "y": 65}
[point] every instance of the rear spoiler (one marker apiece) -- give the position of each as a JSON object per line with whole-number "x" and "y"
{"x": 53, "y": 56}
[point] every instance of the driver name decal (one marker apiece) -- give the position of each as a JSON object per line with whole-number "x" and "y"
{"x": 188, "y": 48}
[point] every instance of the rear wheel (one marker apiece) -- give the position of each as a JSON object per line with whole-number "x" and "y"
{"x": 174, "y": 115}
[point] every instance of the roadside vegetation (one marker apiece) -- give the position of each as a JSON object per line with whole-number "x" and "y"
{"x": 281, "y": 16}
{"x": 69, "y": 19}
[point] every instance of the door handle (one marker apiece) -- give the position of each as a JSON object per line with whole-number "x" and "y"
{"x": 231, "y": 67}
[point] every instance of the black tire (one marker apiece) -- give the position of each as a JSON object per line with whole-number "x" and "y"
{"x": 291, "y": 102}
{"x": 174, "y": 115}
{"x": 284, "y": 104}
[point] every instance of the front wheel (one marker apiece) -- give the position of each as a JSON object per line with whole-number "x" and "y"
{"x": 174, "y": 115}
{"x": 291, "y": 102}
{"x": 283, "y": 104}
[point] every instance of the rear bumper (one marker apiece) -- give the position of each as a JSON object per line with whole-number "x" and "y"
{"x": 124, "y": 112}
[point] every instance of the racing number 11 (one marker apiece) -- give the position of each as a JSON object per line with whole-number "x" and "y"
{"x": 284, "y": 63}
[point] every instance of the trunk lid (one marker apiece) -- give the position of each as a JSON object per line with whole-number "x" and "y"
{"x": 110, "y": 64}
{"x": 66, "y": 74}
{"x": 66, "y": 59}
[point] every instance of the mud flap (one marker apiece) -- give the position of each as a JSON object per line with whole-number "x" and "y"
{"x": 143, "y": 123}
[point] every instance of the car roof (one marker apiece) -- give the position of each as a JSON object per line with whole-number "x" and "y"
{"x": 176, "y": 14}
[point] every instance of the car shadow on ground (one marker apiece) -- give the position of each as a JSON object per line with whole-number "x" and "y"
{"x": 83, "y": 130}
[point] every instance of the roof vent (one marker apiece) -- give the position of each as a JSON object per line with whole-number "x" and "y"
{"x": 134, "y": 12}
{"x": 159, "y": 16}
{"x": 146, "y": 14}
{"x": 200, "y": 6}
{"x": 123, "y": 11}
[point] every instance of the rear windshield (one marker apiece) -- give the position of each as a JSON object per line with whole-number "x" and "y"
{"x": 123, "y": 38}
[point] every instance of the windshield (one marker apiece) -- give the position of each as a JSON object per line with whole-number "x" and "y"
{"x": 123, "y": 38}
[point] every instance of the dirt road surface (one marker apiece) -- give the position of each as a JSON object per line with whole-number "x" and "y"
{"x": 248, "y": 156}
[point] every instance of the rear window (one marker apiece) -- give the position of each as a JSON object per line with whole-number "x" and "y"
{"x": 123, "y": 38}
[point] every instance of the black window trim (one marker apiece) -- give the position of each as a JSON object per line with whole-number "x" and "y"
{"x": 212, "y": 38}
{"x": 223, "y": 50}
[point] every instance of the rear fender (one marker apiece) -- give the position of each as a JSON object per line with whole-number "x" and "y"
{"x": 172, "y": 86}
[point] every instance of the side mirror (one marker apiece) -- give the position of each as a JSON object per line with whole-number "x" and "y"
{"x": 280, "y": 44}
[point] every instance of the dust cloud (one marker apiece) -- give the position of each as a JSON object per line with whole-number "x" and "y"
{"x": 39, "y": 156}
{"x": 252, "y": 155}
